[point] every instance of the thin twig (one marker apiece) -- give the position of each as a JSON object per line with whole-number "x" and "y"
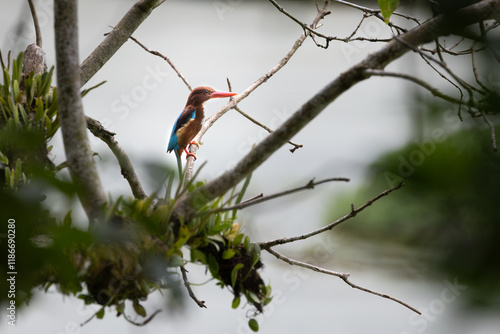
{"x": 201, "y": 303}
{"x": 127, "y": 169}
{"x": 251, "y": 119}
{"x": 233, "y": 102}
{"x": 343, "y": 276}
{"x": 420, "y": 82}
{"x": 376, "y": 11}
{"x": 492, "y": 131}
{"x": 353, "y": 213}
{"x": 38, "y": 32}
{"x": 474, "y": 70}
{"x": 145, "y": 322}
{"x": 189, "y": 205}
{"x": 158, "y": 54}
{"x": 311, "y": 28}
{"x": 310, "y": 185}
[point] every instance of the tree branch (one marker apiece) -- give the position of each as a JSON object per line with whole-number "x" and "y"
{"x": 236, "y": 99}
{"x": 426, "y": 32}
{"x": 38, "y": 32}
{"x": 116, "y": 38}
{"x": 127, "y": 169}
{"x": 353, "y": 213}
{"x": 244, "y": 114}
{"x": 343, "y": 276}
{"x": 200, "y": 303}
{"x": 158, "y": 54}
{"x": 310, "y": 185}
{"x": 73, "y": 126}
{"x": 420, "y": 82}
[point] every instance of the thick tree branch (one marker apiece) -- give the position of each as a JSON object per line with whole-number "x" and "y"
{"x": 427, "y": 32}
{"x": 73, "y": 126}
{"x": 117, "y": 37}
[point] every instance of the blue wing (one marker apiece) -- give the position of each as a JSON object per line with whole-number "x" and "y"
{"x": 187, "y": 115}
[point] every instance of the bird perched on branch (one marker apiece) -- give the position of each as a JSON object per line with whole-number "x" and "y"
{"x": 188, "y": 124}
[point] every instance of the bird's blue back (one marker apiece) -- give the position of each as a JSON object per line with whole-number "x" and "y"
{"x": 187, "y": 114}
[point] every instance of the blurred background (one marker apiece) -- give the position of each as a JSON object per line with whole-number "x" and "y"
{"x": 431, "y": 244}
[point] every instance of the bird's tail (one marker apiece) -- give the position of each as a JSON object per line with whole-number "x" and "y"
{"x": 179, "y": 165}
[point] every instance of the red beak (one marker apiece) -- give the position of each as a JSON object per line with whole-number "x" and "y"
{"x": 217, "y": 94}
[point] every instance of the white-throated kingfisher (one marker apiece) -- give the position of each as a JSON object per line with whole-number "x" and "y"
{"x": 188, "y": 124}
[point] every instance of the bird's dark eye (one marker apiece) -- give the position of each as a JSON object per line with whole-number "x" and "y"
{"x": 206, "y": 91}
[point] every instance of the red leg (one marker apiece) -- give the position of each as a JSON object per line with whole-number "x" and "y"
{"x": 194, "y": 143}
{"x": 188, "y": 154}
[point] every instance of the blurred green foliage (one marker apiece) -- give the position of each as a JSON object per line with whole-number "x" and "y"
{"x": 139, "y": 247}
{"x": 448, "y": 208}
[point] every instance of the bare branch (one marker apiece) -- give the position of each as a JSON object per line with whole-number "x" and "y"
{"x": 123, "y": 30}
{"x": 145, "y": 322}
{"x": 73, "y": 125}
{"x": 311, "y": 29}
{"x": 236, "y": 99}
{"x": 420, "y": 82}
{"x": 158, "y": 54}
{"x": 127, "y": 169}
{"x": 38, "y": 32}
{"x": 353, "y": 213}
{"x": 492, "y": 131}
{"x": 343, "y": 276}
{"x": 251, "y": 119}
{"x": 200, "y": 303}
{"x": 310, "y": 185}
{"x": 424, "y": 33}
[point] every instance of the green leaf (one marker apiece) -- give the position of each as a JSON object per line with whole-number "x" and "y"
{"x": 67, "y": 220}
{"x": 139, "y": 309}
{"x": 18, "y": 170}
{"x": 255, "y": 250}
{"x": 100, "y": 313}
{"x": 4, "y": 159}
{"x": 197, "y": 255}
{"x": 237, "y": 239}
{"x": 236, "y": 302}
{"x": 213, "y": 266}
{"x": 387, "y": 7}
{"x": 228, "y": 253}
{"x": 120, "y": 308}
{"x": 86, "y": 298}
{"x": 253, "y": 324}
{"x": 234, "y": 273}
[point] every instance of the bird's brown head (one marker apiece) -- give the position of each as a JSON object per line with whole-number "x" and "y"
{"x": 202, "y": 94}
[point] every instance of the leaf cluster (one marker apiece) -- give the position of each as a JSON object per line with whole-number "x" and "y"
{"x": 28, "y": 120}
